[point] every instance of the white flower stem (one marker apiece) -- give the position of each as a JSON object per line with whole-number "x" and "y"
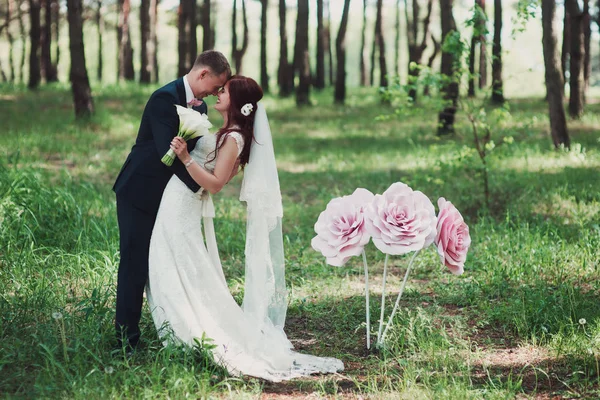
{"x": 382, "y": 298}
{"x": 399, "y": 296}
{"x": 368, "y": 316}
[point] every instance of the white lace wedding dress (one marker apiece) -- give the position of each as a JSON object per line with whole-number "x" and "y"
{"x": 189, "y": 297}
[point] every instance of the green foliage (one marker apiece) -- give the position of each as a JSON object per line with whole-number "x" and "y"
{"x": 531, "y": 275}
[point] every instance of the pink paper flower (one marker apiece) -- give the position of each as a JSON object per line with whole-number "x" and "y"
{"x": 452, "y": 239}
{"x": 340, "y": 229}
{"x": 401, "y": 220}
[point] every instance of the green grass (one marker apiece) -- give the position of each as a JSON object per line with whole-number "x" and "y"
{"x": 509, "y": 327}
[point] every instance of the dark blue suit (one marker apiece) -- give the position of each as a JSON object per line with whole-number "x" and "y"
{"x": 139, "y": 188}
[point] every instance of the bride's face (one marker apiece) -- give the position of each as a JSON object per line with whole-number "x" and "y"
{"x": 222, "y": 104}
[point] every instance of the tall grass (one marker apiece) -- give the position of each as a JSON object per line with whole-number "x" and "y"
{"x": 524, "y": 318}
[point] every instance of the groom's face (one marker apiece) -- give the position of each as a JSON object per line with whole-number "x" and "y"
{"x": 209, "y": 83}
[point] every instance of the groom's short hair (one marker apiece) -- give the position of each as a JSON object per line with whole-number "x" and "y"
{"x": 215, "y": 60}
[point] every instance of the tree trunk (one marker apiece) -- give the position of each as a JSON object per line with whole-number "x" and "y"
{"x": 182, "y": 64}
{"x": 320, "y": 70}
{"x": 303, "y": 89}
{"x": 553, "y": 75}
{"x": 416, "y": 40}
{"x": 34, "y": 38}
{"x": 482, "y": 46}
{"x": 80, "y": 85}
{"x": 340, "y": 50}
{"x": 153, "y": 45}
{"x": 187, "y": 42}
{"x": 383, "y": 78}
{"x": 576, "y": 83}
{"x": 364, "y": 79}
{"x": 208, "y": 37}
{"x": 10, "y": 11}
{"x": 566, "y": 45}
{"x": 450, "y": 89}
{"x": 148, "y": 23}
{"x": 23, "y": 35}
{"x": 436, "y": 49}
{"x": 100, "y": 31}
{"x": 285, "y": 77}
{"x": 125, "y": 59}
{"x": 49, "y": 70}
{"x": 328, "y": 41}
{"x": 477, "y": 43}
{"x": 238, "y": 54}
{"x": 397, "y": 41}
{"x": 587, "y": 33}
{"x": 144, "y": 40}
{"x": 264, "y": 73}
{"x": 497, "y": 83}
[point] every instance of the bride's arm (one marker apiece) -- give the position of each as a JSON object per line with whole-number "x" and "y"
{"x": 226, "y": 161}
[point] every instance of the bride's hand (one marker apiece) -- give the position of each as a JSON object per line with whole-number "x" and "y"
{"x": 179, "y": 146}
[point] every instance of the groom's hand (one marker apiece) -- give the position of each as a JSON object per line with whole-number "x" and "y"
{"x": 235, "y": 169}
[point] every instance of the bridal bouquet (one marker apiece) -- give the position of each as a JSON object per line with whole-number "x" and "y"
{"x": 192, "y": 124}
{"x": 399, "y": 221}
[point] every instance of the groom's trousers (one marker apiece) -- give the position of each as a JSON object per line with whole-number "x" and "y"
{"x": 135, "y": 228}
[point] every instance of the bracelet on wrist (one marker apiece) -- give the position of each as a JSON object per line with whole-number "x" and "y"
{"x": 188, "y": 163}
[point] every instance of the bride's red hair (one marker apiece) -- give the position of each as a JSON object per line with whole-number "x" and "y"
{"x": 242, "y": 91}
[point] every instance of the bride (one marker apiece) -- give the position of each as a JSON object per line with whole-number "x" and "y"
{"x": 187, "y": 290}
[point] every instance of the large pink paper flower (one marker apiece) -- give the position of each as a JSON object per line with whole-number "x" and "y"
{"x": 401, "y": 220}
{"x": 340, "y": 229}
{"x": 452, "y": 239}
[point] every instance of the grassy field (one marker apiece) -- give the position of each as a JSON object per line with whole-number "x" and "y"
{"x": 522, "y": 322}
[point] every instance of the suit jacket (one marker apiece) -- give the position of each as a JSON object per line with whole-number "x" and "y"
{"x": 143, "y": 177}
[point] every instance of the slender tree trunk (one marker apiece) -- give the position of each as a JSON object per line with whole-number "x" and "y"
{"x": 587, "y": 33}
{"x": 100, "y": 32}
{"x": 554, "y": 84}
{"x": 328, "y": 41}
{"x": 238, "y": 54}
{"x": 416, "y": 40}
{"x": 340, "y": 49}
{"x": 153, "y": 42}
{"x": 56, "y": 28}
{"x": 182, "y": 38}
{"x": 208, "y": 42}
{"x": 80, "y": 85}
{"x": 320, "y": 70}
{"x": 49, "y": 70}
{"x": 576, "y": 83}
{"x": 477, "y": 43}
{"x": 125, "y": 58}
{"x": 191, "y": 28}
{"x": 303, "y": 89}
{"x": 483, "y": 61}
{"x": 34, "y": 38}
{"x": 566, "y": 45}
{"x": 10, "y": 11}
{"x": 383, "y": 73}
{"x": 285, "y": 78}
{"x": 145, "y": 41}
{"x": 22, "y": 35}
{"x": 148, "y": 41}
{"x": 364, "y": 79}
{"x": 472, "y": 50}
{"x": 497, "y": 82}
{"x": 436, "y": 49}
{"x": 397, "y": 41}
{"x": 264, "y": 73}
{"x": 450, "y": 90}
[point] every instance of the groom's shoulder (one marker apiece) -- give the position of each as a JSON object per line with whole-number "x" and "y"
{"x": 169, "y": 88}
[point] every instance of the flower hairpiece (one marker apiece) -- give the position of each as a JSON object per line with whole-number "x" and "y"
{"x": 247, "y": 109}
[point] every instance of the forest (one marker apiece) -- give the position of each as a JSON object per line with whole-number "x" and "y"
{"x": 493, "y": 105}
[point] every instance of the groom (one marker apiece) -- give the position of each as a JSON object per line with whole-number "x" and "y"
{"x": 143, "y": 178}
